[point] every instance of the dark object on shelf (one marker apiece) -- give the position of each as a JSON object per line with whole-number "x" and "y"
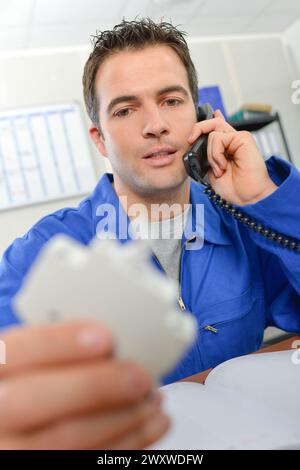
{"x": 258, "y": 123}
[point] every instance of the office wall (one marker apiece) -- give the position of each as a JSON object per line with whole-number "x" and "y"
{"x": 291, "y": 39}
{"x": 31, "y": 79}
{"x": 247, "y": 69}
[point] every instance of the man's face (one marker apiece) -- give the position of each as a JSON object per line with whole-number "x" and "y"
{"x": 146, "y": 115}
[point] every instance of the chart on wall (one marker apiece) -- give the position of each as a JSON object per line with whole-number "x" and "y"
{"x": 44, "y": 155}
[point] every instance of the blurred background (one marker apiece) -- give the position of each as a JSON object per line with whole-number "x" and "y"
{"x": 247, "y": 55}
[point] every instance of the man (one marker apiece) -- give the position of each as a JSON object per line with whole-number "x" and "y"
{"x": 140, "y": 89}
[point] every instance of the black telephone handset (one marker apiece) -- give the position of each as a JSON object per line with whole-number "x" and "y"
{"x": 195, "y": 160}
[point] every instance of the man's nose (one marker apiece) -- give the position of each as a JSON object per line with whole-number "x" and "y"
{"x": 155, "y": 125}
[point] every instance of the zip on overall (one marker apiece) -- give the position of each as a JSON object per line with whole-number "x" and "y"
{"x": 179, "y": 299}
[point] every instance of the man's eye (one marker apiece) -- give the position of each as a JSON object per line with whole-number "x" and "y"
{"x": 172, "y": 102}
{"x": 122, "y": 113}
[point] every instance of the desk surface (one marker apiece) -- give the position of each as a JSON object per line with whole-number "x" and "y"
{"x": 281, "y": 346}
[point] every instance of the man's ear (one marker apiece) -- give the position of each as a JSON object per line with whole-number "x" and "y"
{"x": 98, "y": 140}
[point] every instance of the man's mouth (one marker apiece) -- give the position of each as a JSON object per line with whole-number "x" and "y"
{"x": 160, "y": 156}
{"x": 159, "y": 159}
{"x": 159, "y": 150}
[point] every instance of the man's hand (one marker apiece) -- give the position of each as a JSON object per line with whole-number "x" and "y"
{"x": 62, "y": 389}
{"x": 238, "y": 172}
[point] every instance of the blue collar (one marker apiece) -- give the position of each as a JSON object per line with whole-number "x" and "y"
{"x": 106, "y": 207}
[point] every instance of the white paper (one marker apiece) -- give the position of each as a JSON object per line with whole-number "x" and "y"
{"x": 251, "y": 402}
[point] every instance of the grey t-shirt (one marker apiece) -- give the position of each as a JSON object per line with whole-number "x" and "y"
{"x": 165, "y": 240}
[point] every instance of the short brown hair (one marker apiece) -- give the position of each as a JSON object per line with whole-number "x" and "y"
{"x": 134, "y": 35}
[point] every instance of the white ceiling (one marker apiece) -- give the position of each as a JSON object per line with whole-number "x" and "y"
{"x": 52, "y": 23}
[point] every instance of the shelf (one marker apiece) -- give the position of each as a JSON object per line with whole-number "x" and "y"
{"x": 253, "y": 124}
{"x": 259, "y": 122}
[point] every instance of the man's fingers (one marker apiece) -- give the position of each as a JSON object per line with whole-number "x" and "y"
{"x": 218, "y": 152}
{"x": 217, "y": 124}
{"x": 213, "y": 164}
{"x": 96, "y": 430}
{"x": 215, "y": 155}
{"x": 218, "y": 113}
{"x": 145, "y": 435}
{"x": 32, "y": 400}
{"x": 32, "y": 347}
